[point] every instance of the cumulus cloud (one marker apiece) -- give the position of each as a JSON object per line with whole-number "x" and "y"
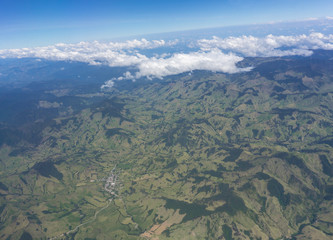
{"x": 126, "y": 75}
{"x": 112, "y": 53}
{"x": 128, "y": 54}
{"x": 95, "y": 52}
{"x": 108, "y": 84}
{"x": 215, "y": 54}
{"x": 213, "y": 60}
{"x": 270, "y": 46}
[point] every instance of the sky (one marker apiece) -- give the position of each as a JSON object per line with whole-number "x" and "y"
{"x": 32, "y": 23}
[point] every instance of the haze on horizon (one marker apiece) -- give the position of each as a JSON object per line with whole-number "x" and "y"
{"x": 38, "y": 23}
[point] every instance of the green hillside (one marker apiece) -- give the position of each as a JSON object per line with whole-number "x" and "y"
{"x": 195, "y": 156}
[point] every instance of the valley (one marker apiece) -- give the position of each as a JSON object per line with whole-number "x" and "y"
{"x": 200, "y": 155}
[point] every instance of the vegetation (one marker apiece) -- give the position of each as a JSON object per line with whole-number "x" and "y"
{"x": 200, "y": 156}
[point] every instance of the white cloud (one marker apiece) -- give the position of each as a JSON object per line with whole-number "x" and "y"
{"x": 108, "y": 84}
{"x": 128, "y": 54}
{"x": 270, "y": 45}
{"x": 112, "y": 53}
{"x": 126, "y": 75}
{"x": 210, "y": 56}
{"x": 213, "y": 60}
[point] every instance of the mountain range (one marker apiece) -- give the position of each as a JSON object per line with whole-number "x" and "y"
{"x": 196, "y": 155}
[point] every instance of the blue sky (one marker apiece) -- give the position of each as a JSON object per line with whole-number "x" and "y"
{"x": 25, "y": 23}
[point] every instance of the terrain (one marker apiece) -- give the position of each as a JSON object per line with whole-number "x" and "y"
{"x": 198, "y": 155}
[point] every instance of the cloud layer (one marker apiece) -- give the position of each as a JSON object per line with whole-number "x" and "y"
{"x": 215, "y": 54}
{"x": 128, "y": 54}
{"x": 213, "y": 60}
{"x": 270, "y": 46}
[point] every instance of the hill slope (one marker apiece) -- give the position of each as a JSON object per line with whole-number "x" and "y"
{"x": 195, "y": 156}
